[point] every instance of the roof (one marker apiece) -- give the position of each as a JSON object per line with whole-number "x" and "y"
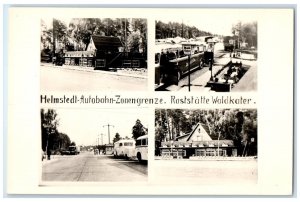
{"x": 142, "y": 137}
{"x": 205, "y": 128}
{"x": 79, "y": 54}
{"x": 211, "y": 143}
{"x": 182, "y": 136}
{"x": 106, "y": 41}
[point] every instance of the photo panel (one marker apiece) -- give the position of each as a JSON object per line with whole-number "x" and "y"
{"x": 94, "y": 145}
{"x": 210, "y": 55}
{"x": 93, "y": 54}
{"x": 206, "y": 146}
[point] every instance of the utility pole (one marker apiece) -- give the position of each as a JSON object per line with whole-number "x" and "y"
{"x": 101, "y": 139}
{"x": 108, "y": 132}
{"x": 125, "y": 36}
{"x": 54, "y": 40}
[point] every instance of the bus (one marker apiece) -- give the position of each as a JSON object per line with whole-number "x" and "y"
{"x": 141, "y": 148}
{"x": 124, "y": 148}
{"x": 176, "y": 63}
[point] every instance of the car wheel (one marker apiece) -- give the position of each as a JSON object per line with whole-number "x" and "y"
{"x": 178, "y": 76}
{"x": 201, "y": 64}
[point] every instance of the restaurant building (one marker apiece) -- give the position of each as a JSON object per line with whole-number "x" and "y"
{"x": 104, "y": 52}
{"x": 198, "y": 143}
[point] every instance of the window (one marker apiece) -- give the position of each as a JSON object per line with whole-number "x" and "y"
{"x": 181, "y": 152}
{"x": 100, "y": 63}
{"x": 171, "y": 56}
{"x": 144, "y": 141}
{"x": 200, "y": 152}
{"x": 135, "y": 63}
{"x": 121, "y": 144}
{"x": 128, "y": 144}
{"x": 210, "y": 152}
{"x": 138, "y": 142}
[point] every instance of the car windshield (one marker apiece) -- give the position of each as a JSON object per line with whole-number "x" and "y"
{"x": 128, "y": 144}
{"x": 171, "y": 56}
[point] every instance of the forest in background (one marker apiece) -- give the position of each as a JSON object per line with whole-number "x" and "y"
{"x": 238, "y": 125}
{"x": 244, "y": 32}
{"x": 52, "y": 139}
{"x": 75, "y": 36}
{"x": 176, "y": 29}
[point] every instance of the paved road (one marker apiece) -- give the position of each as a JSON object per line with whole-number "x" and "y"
{"x": 95, "y": 168}
{"x": 62, "y": 79}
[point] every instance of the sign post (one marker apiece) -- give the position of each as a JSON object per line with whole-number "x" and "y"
{"x": 189, "y": 61}
{"x": 188, "y": 51}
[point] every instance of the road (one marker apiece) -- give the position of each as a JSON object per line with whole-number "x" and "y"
{"x": 94, "y": 168}
{"x": 63, "y": 79}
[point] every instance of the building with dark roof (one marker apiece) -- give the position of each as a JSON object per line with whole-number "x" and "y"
{"x": 105, "y": 44}
{"x": 104, "y": 52}
{"x": 200, "y": 143}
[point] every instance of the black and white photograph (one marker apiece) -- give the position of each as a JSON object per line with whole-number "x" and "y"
{"x": 94, "y": 145}
{"x": 208, "y": 145}
{"x": 206, "y": 53}
{"x": 210, "y": 114}
{"x": 93, "y": 54}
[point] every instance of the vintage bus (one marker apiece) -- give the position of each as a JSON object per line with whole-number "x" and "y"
{"x": 175, "y": 64}
{"x": 124, "y": 148}
{"x": 141, "y": 148}
{"x": 161, "y": 51}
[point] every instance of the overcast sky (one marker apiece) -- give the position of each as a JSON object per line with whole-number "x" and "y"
{"x": 213, "y": 21}
{"x": 84, "y": 125}
{"x": 216, "y": 21}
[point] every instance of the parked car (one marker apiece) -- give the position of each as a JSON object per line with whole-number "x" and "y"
{"x": 65, "y": 152}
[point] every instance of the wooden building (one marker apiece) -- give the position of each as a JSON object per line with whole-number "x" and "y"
{"x": 197, "y": 143}
{"x": 104, "y": 52}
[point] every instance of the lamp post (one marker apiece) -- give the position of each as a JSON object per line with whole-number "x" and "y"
{"x": 211, "y": 57}
{"x": 101, "y": 139}
{"x": 171, "y": 147}
{"x": 219, "y": 144}
{"x": 108, "y": 131}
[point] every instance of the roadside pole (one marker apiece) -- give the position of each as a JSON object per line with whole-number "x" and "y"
{"x": 189, "y": 61}
{"x": 211, "y": 71}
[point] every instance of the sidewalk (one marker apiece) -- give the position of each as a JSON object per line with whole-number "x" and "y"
{"x": 53, "y": 158}
{"x": 91, "y": 69}
{"x": 247, "y": 83}
{"x": 199, "y": 83}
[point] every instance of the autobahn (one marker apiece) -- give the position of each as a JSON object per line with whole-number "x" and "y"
{"x": 95, "y": 168}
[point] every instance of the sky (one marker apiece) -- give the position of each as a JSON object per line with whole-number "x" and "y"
{"x": 85, "y": 125}
{"x": 216, "y": 21}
